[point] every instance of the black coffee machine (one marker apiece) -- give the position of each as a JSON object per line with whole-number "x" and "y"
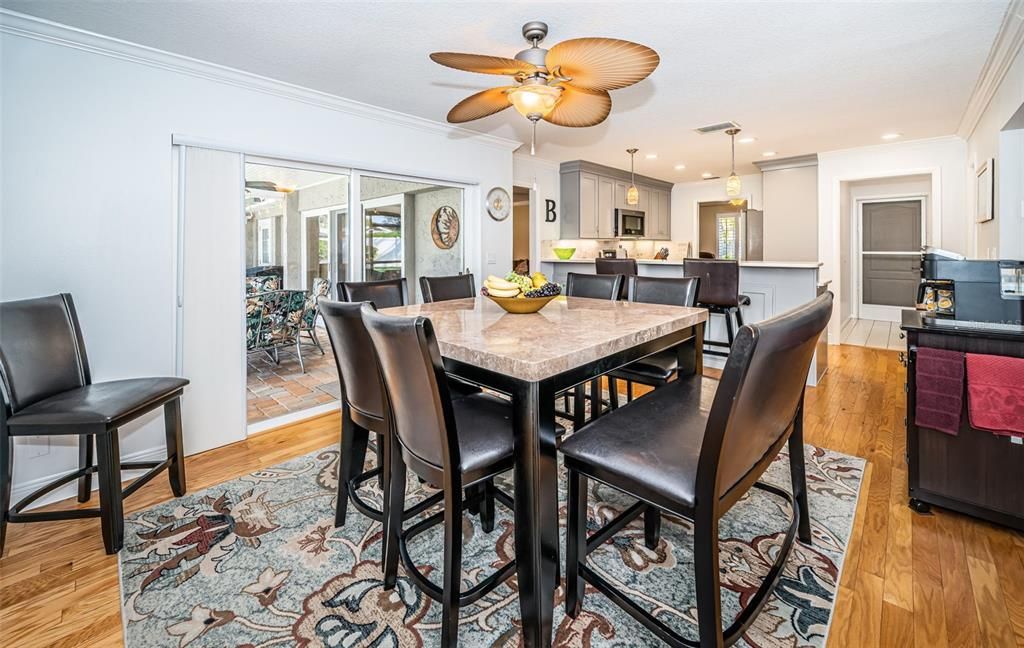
{"x": 978, "y": 291}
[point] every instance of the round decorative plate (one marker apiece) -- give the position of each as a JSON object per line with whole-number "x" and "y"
{"x": 444, "y": 227}
{"x": 499, "y": 204}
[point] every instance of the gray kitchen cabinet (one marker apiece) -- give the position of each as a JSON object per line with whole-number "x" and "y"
{"x": 592, "y": 192}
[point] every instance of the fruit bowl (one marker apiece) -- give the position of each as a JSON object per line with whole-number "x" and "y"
{"x": 521, "y": 305}
{"x": 564, "y": 253}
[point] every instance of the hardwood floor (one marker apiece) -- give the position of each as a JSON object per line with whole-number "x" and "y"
{"x": 909, "y": 580}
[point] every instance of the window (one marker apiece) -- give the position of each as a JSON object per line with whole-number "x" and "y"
{"x": 727, "y": 235}
{"x": 265, "y": 242}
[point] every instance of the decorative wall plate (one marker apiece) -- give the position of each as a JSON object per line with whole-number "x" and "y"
{"x": 444, "y": 227}
{"x": 499, "y": 204}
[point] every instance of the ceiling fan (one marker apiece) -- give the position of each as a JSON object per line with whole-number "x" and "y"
{"x": 566, "y": 85}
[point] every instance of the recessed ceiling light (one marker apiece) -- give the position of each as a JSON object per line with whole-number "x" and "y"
{"x": 891, "y": 136}
{"x": 680, "y": 167}
{"x": 746, "y": 140}
{"x": 706, "y": 174}
{"x": 651, "y": 156}
{"x": 769, "y": 154}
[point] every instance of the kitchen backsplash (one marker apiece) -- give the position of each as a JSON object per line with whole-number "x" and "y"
{"x": 591, "y": 248}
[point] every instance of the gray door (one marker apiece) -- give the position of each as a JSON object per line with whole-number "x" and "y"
{"x": 891, "y": 238}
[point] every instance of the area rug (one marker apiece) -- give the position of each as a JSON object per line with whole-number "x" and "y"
{"x": 256, "y": 561}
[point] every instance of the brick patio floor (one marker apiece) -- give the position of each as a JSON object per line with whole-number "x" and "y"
{"x": 278, "y": 389}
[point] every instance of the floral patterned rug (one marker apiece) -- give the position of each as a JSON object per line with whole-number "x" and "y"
{"x": 257, "y": 562}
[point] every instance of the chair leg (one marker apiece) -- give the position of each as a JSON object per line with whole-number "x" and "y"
{"x": 728, "y": 326}
{"x": 298, "y": 352}
{"x": 452, "y": 567}
{"x": 6, "y": 475}
{"x": 652, "y": 527}
{"x": 798, "y": 475}
{"x": 579, "y": 409}
{"x": 378, "y": 452}
{"x": 629, "y": 391}
{"x": 85, "y": 445}
{"x": 353, "y": 457}
{"x": 595, "y": 398}
{"x": 709, "y": 604}
{"x": 175, "y": 449}
{"x": 108, "y": 463}
{"x": 739, "y": 317}
{"x": 575, "y": 543}
{"x": 487, "y": 507}
{"x": 394, "y": 506}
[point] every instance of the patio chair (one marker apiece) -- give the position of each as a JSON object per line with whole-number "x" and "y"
{"x": 273, "y": 320}
{"x": 321, "y": 288}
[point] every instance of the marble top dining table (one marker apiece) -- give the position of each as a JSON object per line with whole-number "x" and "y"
{"x": 532, "y": 358}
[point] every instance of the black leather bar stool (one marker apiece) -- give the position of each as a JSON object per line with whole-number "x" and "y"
{"x": 455, "y": 443}
{"x": 48, "y": 390}
{"x": 599, "y": 286}
{"x": 655, "y": 370}
{"x": 383, "y": 294}
{"x": 696, "y": 464}
{"x": 625, "y": 267}
{"x": 719, "y": 293}
{"x": 435, "y": 289}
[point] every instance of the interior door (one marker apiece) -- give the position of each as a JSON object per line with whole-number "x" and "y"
{"x": 891, "y": 235}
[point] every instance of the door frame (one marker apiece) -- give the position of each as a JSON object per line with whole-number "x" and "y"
{"x": 877, "y": 311}
{"x": 332, "y": 212}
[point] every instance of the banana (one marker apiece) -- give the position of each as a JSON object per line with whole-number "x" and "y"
{"x": 503, "y": 292}
{"x": 499, "y": 283}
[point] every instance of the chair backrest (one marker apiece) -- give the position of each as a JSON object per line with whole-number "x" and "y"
{"x": 719, "y": 280}
{"x": 758, "y": 398}
{"x": 361, "y": 386}
{"x": 624, "y": 267}
{"x": 593, "y": 286}
{"x": 273, "y": 318}
{"x": 42, "y": 352}
{"x": 671, "y": 291}
{"x": 419, "y": 403}
{"x": 703, "y": 254}
{"x": 320, "y": 289}
{"x": 383, "y": 294}
{"x": 435, "y": 289}
{"x": 261, "y": 283}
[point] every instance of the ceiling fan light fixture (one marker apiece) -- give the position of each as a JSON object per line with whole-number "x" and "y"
{"x": 535, "y": 101}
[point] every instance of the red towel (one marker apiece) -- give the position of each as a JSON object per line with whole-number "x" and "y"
{"x": 995, "y": 393}
{"x": 940, "y": 389}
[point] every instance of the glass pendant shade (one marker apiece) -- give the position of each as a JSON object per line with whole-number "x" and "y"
{"x": 733, "y": 185}
{"x": 632, "y": 195}
{"x": 534, "y": 101}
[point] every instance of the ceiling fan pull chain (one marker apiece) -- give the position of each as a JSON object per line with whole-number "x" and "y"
{"x": 533, "y": 139}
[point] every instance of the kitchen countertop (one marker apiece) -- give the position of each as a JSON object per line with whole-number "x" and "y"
{"x": 743, "y": 264}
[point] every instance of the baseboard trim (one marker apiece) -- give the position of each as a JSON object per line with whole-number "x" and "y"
{"x": 19, "y": 491}
{"x": 292, "y": 417}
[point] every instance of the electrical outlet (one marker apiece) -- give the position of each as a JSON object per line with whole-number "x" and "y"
{"x": 39, "y": 446}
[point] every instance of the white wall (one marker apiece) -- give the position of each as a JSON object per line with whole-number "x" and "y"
{"x": 542, "y": 178}
{"x": 944, "y": 158}
{"x": 87, "y": 199}
{"x": 686, "y": 197}
{"x": 982, "y": 144}
{"x": 791, "y": 214}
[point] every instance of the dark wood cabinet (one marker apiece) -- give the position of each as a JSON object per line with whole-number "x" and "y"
{"x": 974, "y": 472}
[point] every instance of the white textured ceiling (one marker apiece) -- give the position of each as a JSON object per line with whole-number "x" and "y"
{"x": 800, "y": 77}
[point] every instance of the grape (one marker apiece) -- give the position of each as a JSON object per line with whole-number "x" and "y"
{"x": 549, "y": 289}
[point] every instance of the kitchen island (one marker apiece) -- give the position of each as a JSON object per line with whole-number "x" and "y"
{"x": 772, "y": 286}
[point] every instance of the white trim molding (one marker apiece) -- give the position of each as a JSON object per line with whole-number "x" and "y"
{"x": 26, "y": 26}
{"x": 1008, "y": 43}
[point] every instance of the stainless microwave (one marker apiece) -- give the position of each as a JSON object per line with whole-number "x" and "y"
{"x": 629, "y": 223}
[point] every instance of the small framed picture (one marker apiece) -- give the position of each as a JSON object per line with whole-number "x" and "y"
{"x": 985, "y": 191}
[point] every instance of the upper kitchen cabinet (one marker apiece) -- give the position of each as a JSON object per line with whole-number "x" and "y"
{"x": 592, "y": 192}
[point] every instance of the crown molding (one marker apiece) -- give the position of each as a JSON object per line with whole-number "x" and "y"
{"x": 26, "y": 26}
{"x": 1007, "y": 45}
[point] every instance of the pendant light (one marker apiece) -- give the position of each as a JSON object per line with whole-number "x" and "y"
{"x": 732, "y": 183}
{"x": 632, "y": 194}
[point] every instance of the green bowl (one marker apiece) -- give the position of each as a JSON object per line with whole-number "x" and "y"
{"x": 564, "y": 253}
